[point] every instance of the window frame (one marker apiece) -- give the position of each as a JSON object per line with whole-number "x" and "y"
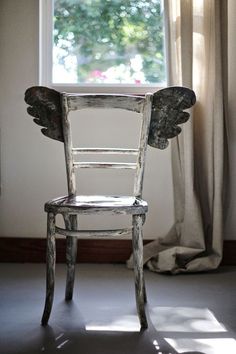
{"x": 46, "y": 61}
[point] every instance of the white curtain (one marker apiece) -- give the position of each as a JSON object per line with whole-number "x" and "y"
{"x": 197, "y": 57}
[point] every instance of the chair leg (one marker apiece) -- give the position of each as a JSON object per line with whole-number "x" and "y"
{"x": 51, "y": 260}
{"x": 71, "y": 254}
{"x": 140, "y": 291}
{"x": 144, "y": 287}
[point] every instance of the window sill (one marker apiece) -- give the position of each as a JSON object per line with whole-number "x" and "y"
{"x": 108, "y": 88}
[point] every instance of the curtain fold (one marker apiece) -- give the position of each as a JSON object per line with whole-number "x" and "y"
{"x": 196, "y": 55}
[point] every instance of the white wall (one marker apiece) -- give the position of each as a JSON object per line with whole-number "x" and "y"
{"x": 32, "y": 166}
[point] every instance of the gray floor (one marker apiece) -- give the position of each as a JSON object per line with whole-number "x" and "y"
{"x": 187, "y": 313}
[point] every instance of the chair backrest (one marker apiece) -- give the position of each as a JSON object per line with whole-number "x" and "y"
{"x": 142, "y": 105}
{"x": 162, "y": 112}
{"x": 138, "y": 104}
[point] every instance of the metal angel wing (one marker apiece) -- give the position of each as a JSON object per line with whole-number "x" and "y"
{"x": 45, "y": 107}
{"x": 167, "y": 112}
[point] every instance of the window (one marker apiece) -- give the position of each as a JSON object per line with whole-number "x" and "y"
{"x": 102, "y": 45}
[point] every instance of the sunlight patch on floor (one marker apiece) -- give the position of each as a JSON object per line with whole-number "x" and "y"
{"x": 122, "y": 324}
{"x": 192, "y": 330}
{"x": 185, "y": 319}
{"x": 206, "y": 345}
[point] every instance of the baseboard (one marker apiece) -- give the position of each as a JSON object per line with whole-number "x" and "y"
{"x": 32, "y": 250}
{"x": 229, "y": 253}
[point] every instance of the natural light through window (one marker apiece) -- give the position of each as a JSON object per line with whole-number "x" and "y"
{"x": 203, "y": 345}
{"x": 108, "y": 42}
{"x": 121, "y": 324}
{"x": 192, "y": 330}
{"x": 185, "y": 319}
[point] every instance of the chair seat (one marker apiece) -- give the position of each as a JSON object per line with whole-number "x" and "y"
{"x": 97, "y": 203}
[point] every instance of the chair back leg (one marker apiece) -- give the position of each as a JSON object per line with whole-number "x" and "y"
{"x": 51, "y": 260}
{"x": 71, "y": 254}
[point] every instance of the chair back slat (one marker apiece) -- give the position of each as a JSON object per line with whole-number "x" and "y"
{"x": 130, "y": 103}
{"x": 109, "y": 151}
{"x": 119, "y": 165}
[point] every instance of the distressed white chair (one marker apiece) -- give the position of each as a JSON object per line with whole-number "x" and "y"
{"x": 160, "y": 113}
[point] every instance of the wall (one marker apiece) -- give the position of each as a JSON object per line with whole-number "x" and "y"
{"x": 32, "y": 169}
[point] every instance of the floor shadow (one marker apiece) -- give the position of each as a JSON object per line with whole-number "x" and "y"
{"x": 70, "y": 333}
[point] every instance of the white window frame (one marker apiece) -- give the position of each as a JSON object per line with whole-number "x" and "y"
{"x": 45, "y": 62}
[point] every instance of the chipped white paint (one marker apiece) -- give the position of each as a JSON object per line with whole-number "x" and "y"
{"x": 130, "y": 103}
{"x": 72, "y": 205}
{"x": 94, "y": 233}
{"x": 119, "y": 165}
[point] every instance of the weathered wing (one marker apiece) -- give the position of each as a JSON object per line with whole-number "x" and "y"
{"x": 167, "y": 113}
{"x": 45, "y": 107}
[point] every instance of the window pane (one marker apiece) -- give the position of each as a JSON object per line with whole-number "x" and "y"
{"x": 108, "y": 41}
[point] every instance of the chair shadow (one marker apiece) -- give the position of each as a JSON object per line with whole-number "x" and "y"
{"x": 71, "y": 335}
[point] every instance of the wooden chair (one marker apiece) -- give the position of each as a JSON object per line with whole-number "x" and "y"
{"x": 160, "y": 113}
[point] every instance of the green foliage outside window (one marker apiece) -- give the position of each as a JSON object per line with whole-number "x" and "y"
{"x": 109, "y": 41}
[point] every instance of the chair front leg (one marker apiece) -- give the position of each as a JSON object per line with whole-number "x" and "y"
{"x": 71, "y": 254}
{"x": 50, "y": 261}
{"x": 140, "y": 292}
